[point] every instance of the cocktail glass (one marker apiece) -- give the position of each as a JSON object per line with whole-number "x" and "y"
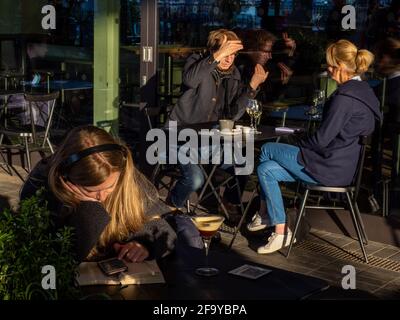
{"x": 208, "y": 227}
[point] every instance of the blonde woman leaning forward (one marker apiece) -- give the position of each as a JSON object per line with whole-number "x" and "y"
{"x": 93, "y": 186}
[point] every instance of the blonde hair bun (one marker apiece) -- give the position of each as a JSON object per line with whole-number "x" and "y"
{"x": 344, "y": 52}
{"x": 364, "y": 59}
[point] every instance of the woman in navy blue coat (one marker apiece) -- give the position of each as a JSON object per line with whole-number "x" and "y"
{"x": 330, "y": 156}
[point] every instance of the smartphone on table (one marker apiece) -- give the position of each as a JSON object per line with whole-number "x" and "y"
{"x": 112, "y": 266}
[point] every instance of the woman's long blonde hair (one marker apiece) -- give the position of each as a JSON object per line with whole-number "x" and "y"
{"x": 124, "y": 204}
{"x": 345, "y": 53}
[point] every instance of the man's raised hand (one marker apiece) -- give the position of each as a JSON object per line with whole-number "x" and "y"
{"x": 227, "y": 48}
{"x": 259, "y": 76}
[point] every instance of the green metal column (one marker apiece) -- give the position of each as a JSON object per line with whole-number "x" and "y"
{"x": 106, "y": 64}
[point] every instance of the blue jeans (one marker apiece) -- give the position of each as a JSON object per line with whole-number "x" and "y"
{"x": 192, "y": 179}
{"x": 278, "y": 162}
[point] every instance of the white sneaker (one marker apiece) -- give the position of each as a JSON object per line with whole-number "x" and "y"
{"x": 257, "y": 223}
{"x": 275, "y": 243}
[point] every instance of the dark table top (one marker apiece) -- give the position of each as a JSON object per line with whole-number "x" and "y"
{"x": 298, "y": 112}
{"x": 182, "y": 283}
{"x": 267, "y": 132}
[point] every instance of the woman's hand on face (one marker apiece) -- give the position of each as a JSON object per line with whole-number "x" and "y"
{"x": 77, "y": 191}
{"x": 259, "y": 76}
{"x": 286, "y": 72}
{"x": 131, "y": 251}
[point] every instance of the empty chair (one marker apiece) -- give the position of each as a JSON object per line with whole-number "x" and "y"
{"x": 32, "y": 130}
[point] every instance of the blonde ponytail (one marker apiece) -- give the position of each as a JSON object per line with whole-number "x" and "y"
{"x": 343, "y": 52}
{"x": 364, "y": 59}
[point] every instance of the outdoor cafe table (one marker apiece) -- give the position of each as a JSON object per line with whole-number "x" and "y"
{"x": 268, "y": 133}
{"x": 182, "y": 283}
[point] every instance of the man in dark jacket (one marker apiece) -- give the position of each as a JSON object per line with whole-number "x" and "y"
{"x": 212, "y": 90}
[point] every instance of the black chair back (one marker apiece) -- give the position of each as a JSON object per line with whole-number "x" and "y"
{"x": 38, "y": 100}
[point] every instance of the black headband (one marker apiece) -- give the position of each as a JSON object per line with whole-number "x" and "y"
{"x": 75, "y": 157}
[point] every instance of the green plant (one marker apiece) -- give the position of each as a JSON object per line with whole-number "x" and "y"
{"x": 27, "y": 243}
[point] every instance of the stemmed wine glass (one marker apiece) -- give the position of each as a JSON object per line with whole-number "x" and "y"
{"x": 254, "y": 110}
{"x": 318, "y": 100}
{"x": 208, "y": 227}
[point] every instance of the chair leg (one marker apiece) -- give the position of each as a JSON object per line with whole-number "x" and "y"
{"x": 50, "y": 145}
{"x": 237, "y": 229}
{"x": 155, "y": 173}
{"x": 360, "y": 222}
{"x": 296, "y": 195}
{"x": 5, "y": 162}
{"x": 28, "y": 153}
{"x": 385, "y": 209}
{"x": 209, "y": 183}
{"x": 299, "y": 217}
{"x": 355, "y": 221}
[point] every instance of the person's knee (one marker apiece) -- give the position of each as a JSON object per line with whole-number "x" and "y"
{"x": 196, "y": 179}
{"x": 193, "y": 178}
{"x": 266, "y": 151}
{"x": 266, "y": 169}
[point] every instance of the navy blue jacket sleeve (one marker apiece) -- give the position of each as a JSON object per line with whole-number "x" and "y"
{"x": 336, "y": 117}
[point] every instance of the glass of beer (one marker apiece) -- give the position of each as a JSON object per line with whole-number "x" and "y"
{"x": 208, "y": 227}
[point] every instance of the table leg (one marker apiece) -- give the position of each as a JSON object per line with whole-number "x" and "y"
{"x": 208, "y": 182}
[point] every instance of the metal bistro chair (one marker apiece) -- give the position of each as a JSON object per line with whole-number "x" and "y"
{"x": 351, "y": 197}
{"x": 165, "y": 170}
{"x": 33, "y": 135}
{"x": 160, "y": 170}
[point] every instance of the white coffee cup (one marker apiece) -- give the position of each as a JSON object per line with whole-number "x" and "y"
{"x": 239, "y": 127}
{"x": 226, "y": 125}
{"x": 247, "y": 130}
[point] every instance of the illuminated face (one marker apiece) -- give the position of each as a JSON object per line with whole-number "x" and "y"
{"x": 335, "y": 73}
{"x": 103, "y": 190}
{"x": 227, "y": 62}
